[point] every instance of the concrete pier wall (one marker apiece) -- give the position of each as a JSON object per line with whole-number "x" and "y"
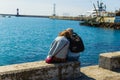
{"x": 110, "y": 61}
{"x": 40, "y": 71}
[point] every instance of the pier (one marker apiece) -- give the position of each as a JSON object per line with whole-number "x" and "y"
{"x": 45, "y": 16}
{"x": 39, "y": 16}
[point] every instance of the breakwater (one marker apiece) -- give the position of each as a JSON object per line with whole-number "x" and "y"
{"x": 67, "y": 18}
{"x": 39, "y": 16}
{"x": 32, "y": 16}
{"x": 77, "y": 18}
{"x": 103, "y": 24}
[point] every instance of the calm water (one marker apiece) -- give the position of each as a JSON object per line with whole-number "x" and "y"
{"x": 28, "y": 39}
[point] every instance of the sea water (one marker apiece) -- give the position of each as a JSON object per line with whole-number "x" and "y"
{"x": 24, "y": 39}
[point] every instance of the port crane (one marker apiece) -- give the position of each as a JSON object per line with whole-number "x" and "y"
{"x": 101, "y": 8}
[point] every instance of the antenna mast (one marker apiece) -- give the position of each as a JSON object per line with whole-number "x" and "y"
{"x": 54, "y": 11}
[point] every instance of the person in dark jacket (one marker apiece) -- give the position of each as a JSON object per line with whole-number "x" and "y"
{"x": 72, "y": 55}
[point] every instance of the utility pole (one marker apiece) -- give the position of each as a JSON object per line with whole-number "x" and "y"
{"x": 54, "y": 11}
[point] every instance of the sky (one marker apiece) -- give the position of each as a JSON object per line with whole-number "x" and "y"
{"x": 63, "y": 7}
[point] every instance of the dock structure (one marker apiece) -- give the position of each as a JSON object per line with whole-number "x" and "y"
{"x": 103, "y": 18}
{"x": 41, "y": 16}
{"x": 44, "y": 16}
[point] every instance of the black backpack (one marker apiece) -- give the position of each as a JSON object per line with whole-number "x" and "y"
{"x": 76, "y": 44}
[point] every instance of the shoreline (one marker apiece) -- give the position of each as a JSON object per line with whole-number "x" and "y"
{"x": 103, "y": 25}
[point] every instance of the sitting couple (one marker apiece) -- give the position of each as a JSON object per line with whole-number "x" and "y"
{"x": 60, "y": 48}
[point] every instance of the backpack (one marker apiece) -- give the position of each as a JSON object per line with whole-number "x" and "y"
{"x": 76, "y": 44}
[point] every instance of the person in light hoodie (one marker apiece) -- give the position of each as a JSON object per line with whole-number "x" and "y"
{"x": 59, "y": 48}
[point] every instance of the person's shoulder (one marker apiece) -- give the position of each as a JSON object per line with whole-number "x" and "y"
{"x": 60, "y": 38}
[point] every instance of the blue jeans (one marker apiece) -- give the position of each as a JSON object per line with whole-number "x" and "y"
{"x": 73, "y": 58}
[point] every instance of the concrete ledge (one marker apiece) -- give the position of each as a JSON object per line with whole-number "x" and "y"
{"x": 97, "y": 73}
{"x": 40, "y": 71}
{"x": 110, "y": 60}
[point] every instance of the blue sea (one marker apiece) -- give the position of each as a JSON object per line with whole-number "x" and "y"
{"x": 24, "y": 39}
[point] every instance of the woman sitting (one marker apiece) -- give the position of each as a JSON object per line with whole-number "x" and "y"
{"x": 59, "y": 48}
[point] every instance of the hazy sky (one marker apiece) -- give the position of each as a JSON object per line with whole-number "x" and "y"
{"x": 45, "y": 7}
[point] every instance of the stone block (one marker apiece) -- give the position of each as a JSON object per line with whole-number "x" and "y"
{"x": 40, "y": 71}
{"x": 110, "y": 60}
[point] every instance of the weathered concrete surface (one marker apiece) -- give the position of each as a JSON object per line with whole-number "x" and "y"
{"x": 40, "y": 71}
{"x": 110, "y": 60}
{"x": 97, "y": 73}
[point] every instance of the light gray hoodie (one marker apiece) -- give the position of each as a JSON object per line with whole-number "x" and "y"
{"x": 60, "y": 46}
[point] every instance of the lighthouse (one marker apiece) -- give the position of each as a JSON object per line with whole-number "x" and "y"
{"x": 17, "y": 12}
